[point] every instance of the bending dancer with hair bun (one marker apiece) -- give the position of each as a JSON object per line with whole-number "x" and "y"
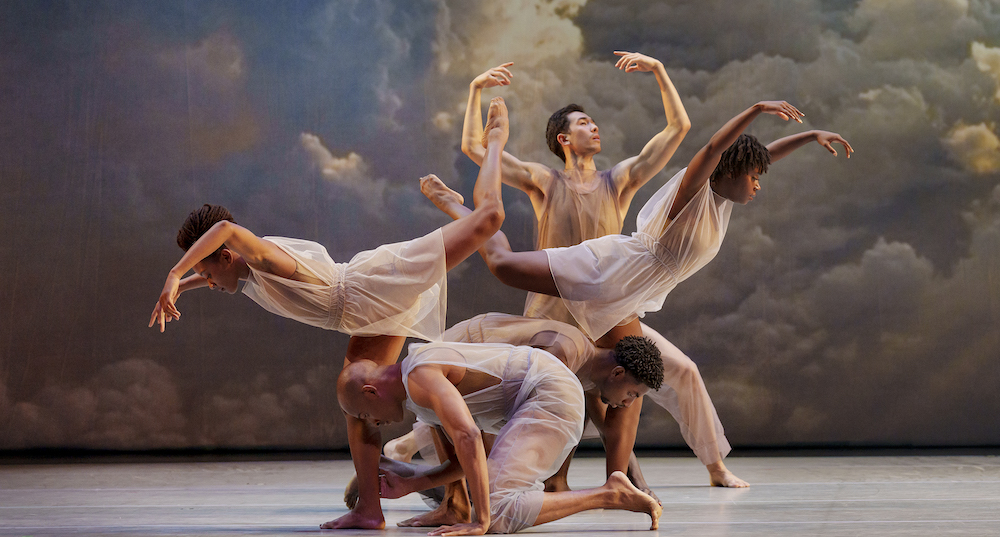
{"x": 377, "y": 307}
{"x": 607, "y": 283}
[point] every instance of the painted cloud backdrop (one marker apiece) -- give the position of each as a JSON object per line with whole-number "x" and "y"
{"x": 854, "y": 302}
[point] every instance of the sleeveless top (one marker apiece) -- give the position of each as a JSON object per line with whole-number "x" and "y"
{"x": 522, "y": 371}
{"x": 572, "y": 214}
{"x": 395, "y": 289}
{"x": 605, "y": 280}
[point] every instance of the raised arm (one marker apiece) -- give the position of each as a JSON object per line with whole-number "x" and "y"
{"x": 429, "y": 388}
{"x": 258, "y": 253}
{"x": 707, "y": 158}
{"x": 631, "y": 174}
{"x": 524, "y": 176}
{"x": 782, "y": 147}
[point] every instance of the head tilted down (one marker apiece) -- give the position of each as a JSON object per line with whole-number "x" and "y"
{"x": 571, "y": 129}
{"x": 219, "y": 267}
{"x": 639, "y": 369}
{"x": 365, "y": 391}
{"x": 737, "y": 175}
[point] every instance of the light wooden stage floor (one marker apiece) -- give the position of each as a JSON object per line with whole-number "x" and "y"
{"x": 829, "y": 496}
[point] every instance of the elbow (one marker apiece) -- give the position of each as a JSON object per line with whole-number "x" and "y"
{"x": 683, "y": 124}
{"x": 466, "y": 438}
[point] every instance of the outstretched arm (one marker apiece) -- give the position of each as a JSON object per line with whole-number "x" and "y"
{"x": 631, "y": 174}
{"x": 707, "y": 158}
{"x": 430, "y": 388}
{"x": 524, "y": 176}
{"x": 783, "y": 147}
{"x": 257, "y": 252}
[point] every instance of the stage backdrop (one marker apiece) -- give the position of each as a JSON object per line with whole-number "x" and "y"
{"x": 854, "y": 302}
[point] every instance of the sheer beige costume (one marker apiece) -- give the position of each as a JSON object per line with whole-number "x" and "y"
{"x": 571, "y": 215}
{"x": 396, "y": 289}
{"x": 536, "y": 411}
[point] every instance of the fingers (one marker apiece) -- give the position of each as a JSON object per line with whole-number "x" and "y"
{"x": 501, "y": 75}
{"x": 847, "y": 147}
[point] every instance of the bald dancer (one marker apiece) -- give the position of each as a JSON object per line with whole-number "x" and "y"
{"x": 580, "y": 203}
{"x": 377, "y": 307}
{"x": 525, "y": 396}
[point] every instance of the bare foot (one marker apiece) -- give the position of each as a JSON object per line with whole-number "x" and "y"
{"x": 351, "y": 492}
{"x": 557, "y": 483}
{"x": 720, "y": 476}
{"x": 446, "y": 514}
{"x": 632, "y": 499}
{"x": 497, "y": 124}
{"x": 357, "y": 520}
{"x": 444, "y": 198}
{"x": 403, "y": 448}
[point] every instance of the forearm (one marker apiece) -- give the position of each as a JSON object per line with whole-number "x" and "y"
{"x": 472, "y": 456}
{"x": 366, "y": 443}
{"x": 620, "y": 425}
{"x": 783, "y": 147}
{"x": 193, "y": 281}
{"x": 672, "y": 105}
{"x": 472, "y": 128}
{"x": 205, "y": 246}
{"x": 725, "y": 136}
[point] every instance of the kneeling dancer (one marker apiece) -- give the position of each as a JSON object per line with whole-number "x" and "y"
{"x": 525, "y": 396}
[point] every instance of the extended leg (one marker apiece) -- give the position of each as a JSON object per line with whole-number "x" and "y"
{"x": 467, "y": 234}
{"x": 524, "y": 270}
{"x": 692, "y": 407}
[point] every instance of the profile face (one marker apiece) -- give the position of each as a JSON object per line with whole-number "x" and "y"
{"x": 370, "y": 406}
{"x": 583, "y": 135}
{"x": 740, "y": 188}
{"x": 620, "y": 389}
{"x": 220, "y": 272}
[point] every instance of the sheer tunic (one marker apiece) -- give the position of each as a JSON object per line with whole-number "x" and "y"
{"x": 605, "y": 280}
{"x": 536, "y": 411}
{"x": 571, "y": 214}
{"x": 397, "y": 289}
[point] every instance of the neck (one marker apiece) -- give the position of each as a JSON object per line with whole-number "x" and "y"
{"x": 601, "y": 365}
{"x": 391, "y": 382}
{"x": 241, "y": 267}
{"x": 579, "y": 163}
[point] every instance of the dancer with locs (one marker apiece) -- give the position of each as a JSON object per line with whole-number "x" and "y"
{"x": 378, "y": 308}
{"x": 606, "y": 283}
{"x": 680, "y": 229}
{"x": 580, "y": 203}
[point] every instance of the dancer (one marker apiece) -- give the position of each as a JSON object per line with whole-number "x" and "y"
{"x": 525, "y": 396}
{"x": 607, "y": 283}
{"x": 597, "y": 370}
{"x": 378, "y": 308}
{"x": 580, "y": 203}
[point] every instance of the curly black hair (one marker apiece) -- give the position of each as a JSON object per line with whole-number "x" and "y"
{"x": 745, "y": 155}
{"x": 199, "y": 222}
{"x": 639, "y": 356}
{"x": 558, "y": 124}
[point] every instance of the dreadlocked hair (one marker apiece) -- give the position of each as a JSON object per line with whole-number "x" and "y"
{"x": 640, "y": 357}
{"x": 199, "y": 222}
{"x": 745, "y": 155}
{"x": 558, "y": 124}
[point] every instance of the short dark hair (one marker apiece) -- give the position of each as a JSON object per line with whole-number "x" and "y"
{"x": 558, "y": 124}
{"x": 745, "y": 155}
{"x": 199, "y": 222}
{"x": 640, "y": 357}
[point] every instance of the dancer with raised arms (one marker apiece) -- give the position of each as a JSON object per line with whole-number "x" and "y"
{"x": 377, "y": 307}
